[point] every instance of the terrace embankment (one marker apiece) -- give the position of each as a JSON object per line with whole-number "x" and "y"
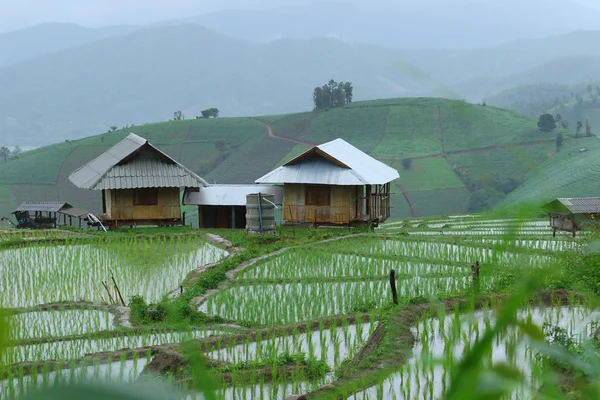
{"x": 204, "y": 345}
{"x": 231, "y": 274}
{"x": 392, "y": 342}
{"x": 193, "y": 275}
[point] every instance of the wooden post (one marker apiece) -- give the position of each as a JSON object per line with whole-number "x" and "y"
{"x": 475, "y": 274}
{"x": 393, "y": 285}
{"x": 368, "y": 203}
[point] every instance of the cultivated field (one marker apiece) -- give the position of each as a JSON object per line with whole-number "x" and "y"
{"x": 454, "y": 146}
{"x": 297, "y": 314}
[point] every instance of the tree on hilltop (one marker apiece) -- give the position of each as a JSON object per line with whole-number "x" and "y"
{"x": 546, "y": 123}
{"x": 4, "y": 152}
{"x": 209, "y": 112}
{"x": 333, "y": 94}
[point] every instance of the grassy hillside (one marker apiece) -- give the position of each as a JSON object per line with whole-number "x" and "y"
{"x": 456, "y": 148}
{"x": 574, "y": 172}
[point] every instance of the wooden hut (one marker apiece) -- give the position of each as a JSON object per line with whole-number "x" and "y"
{"x": 224, "y": 206}
{"x": 48, "y": 214}
{"x": 140, "y": 184}
{"x": 334, "y": 184}
{"x": 572, "y": 214}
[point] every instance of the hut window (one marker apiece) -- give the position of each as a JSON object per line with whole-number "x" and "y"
{"x": 317, "y": 196}
{"x": 145, "y": 197}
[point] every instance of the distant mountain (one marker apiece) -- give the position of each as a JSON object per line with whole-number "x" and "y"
{"x": 408, "y": 24}
{"x": 561, "y": 71}
{"x": 41, "y": 39}
{"x": 146, "y": 76}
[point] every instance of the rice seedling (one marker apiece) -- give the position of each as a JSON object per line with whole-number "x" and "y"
{"x": 51, "y": 324}
{"x": 444, "y": 339}
{"x": 151, "y": 268}
{"x": 298, "y": 264}
{"x": 273, "y": 304}
{"x": 75, "y": 349}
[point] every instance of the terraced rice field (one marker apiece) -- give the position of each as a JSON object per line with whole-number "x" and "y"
{"x": 296, "y": 318}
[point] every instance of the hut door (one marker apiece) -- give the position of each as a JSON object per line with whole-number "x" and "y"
{"x": 317, "y": 204}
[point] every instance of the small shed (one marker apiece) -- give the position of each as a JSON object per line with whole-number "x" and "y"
{"x": 48, "y": 214}
{"x": 572, "y": 214}
{"x": 140, "y": 184}
{"x": 334, "y": 184}
{"x": 224, "y": 206}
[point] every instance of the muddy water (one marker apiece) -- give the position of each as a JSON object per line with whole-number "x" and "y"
{"x": 117, "y": 372}
{"x": 419, "y": 379}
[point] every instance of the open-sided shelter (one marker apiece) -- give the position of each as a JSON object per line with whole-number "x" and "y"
{"x": 48, "y": 214}
{"x": 140, "y": 184}
{"x": 334, "y": 183}
{"x": 224, "y": 206}
{"x": 572, "y": 214}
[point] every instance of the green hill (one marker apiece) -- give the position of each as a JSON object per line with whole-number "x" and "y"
{"x": 456, "y": 148}
{"x": 573, "y": 172}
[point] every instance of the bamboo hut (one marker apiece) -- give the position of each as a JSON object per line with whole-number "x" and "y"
{"x": 334, "y": 184}
{"x": 572, "y": 214}
{"x": 48, "y": 214}
{"x": 140, "y": 184}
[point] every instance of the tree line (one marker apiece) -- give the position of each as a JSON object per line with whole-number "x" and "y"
{"x": 6, "y": 153}
{"x": 331, "y": 95}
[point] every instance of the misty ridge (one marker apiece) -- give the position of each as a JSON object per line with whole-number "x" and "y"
{"x": 66, "y": 81}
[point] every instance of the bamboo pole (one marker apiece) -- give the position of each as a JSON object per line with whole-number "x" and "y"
{"x": 98, "y": 290}
{"x": 117, "y": 289}
{"x": 112, "y": 301}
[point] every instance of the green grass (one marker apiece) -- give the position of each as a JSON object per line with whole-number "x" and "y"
{"x": 427, "y": 174}
{"x": 480, "y": 144}
{"x": 295, "y": 152}
{"x": 571, "y": 173}
{"x": 439, "y": 201}
{"x": 514, "y": 162}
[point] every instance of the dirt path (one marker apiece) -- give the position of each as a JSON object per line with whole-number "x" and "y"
{"x": 441, "y": 129}
{"x": 407, "y": 199}
{"x": 477, "y": 150}
{"x": 274, "y": 136}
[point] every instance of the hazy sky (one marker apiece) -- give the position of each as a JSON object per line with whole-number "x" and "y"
{"x": 16, "y": 14}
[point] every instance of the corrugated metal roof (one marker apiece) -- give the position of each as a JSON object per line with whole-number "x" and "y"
{"x": 581, "y": 205}
{"x": 44, "y": 206}
{"x": 230, "y": 195}
{"x": 146, "y": 173}
{"x": 334, "y": 163}
{"x": 105, "y": 172}
{"x": 74, "y": 212}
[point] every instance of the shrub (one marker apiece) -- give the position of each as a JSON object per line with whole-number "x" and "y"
{"x": 406, "y": 163}
{"x": 139, "y": 310}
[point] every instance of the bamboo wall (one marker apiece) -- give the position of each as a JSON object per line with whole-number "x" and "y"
{"x": 119, "y": 205}
{"x": 340, "y": 211}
